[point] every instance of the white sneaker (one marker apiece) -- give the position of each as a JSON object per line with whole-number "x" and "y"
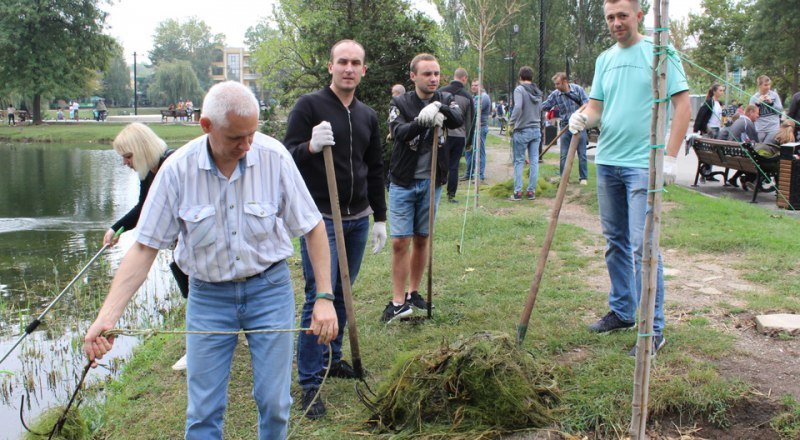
{"x": 584, "y": 182}
{"x": 180, "y": 365}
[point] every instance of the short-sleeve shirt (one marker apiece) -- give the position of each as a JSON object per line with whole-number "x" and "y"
{"x": 623, "y": 82}
{"x": 233, "y": 227}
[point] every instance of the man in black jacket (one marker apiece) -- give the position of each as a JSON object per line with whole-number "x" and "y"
{"x": 333, "y": 116}
{"x": 457, "y": 138}
{"x": 412, "y": 118}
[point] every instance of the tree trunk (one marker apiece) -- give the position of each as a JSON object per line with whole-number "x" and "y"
{"x": 37, "y": 109}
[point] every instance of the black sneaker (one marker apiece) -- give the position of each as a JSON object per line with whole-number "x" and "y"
{"x": 452, "y": 199}
{"x": 516, "y": 197}
{"x": 317, "y": 409}
{"x": 658, "y": 342}
{"x": 610, "y": 323}
{"x": 531, "y": 195}
{"x": 342, "y": 370}
{"x": 392, "y": 311}
{"x": 417, "y": 301}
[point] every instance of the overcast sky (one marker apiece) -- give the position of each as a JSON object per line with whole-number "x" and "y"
{"x": 133, "y": 22}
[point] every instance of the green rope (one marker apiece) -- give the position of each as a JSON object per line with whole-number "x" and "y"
{"x": 665, "y": 99}
{"x": 657, "y": 146}
{"x": 727, "y": 83}
{"x": 644, "y": 335}
{"x": 153, "y": 332}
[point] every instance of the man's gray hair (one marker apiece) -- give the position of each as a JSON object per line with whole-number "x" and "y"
{"x": 228, "y": 97}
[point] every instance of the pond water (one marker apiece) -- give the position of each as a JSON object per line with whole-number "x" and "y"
{"x": 56, "y": 202}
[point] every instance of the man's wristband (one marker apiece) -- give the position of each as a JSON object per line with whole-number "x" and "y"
{"x": 328, "y": 296}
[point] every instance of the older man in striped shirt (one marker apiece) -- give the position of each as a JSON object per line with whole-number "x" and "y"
{"x": 234, "y": 198}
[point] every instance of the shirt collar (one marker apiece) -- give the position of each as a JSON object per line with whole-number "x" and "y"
{"x": 206, "y": 162}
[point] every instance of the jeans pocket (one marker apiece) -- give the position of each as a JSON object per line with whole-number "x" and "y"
{"x": 259, "y": 219}
{"x": 200, "y": 222}
{"x": 278, "y": 275}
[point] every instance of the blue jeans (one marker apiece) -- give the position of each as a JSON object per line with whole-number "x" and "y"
{"x": 622, "y": 198}
{"x": 311, "y": 356}
{"x": 469, "y": 155}
{"x": 409, "y": 208}
{"x": 526, "y": 141}
{"x": 566, "y": 138}
{"x": 265, "y": 301}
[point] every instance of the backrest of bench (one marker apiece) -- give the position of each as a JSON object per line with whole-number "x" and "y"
{"x": 725, "y": 154}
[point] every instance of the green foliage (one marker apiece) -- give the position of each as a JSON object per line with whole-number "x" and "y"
{"x": 51, "y": 48}
{"x": 190, "y": 41}
{"x": 768, "y": 50}
{"x": 74, "y": 428}
{"x": 721, "y": 35}
{"x": 116, "y": 82}
{"x": 173, "y": 81}
{"x": 293, "y": 57}
{"x": 787, "y": 423}
{"x": 274, "y": 122}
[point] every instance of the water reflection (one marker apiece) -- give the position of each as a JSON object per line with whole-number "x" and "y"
{"x": 56, "y": 201}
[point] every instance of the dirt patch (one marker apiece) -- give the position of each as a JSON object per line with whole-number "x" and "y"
{"x": 748, "y": 420}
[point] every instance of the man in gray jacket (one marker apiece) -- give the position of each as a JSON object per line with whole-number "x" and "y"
{"x": 527, "y": 135}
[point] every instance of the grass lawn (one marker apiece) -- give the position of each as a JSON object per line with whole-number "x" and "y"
{"x": 484, "y": 287}
{"x": 92, "y": 133}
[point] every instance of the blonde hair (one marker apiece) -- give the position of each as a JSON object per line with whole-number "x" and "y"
{"x": 786, "y": 132}
{"x": 145, "y": 147}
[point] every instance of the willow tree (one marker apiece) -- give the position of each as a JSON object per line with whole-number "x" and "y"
{"x": 51, "y": 47}
{"x": 174, "y": 81}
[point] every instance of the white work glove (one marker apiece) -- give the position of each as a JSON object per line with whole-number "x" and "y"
{"x": 378, "y": 236}
{"x": 577, "y": 122}
{"x": 438, "y": 120}
{"x": 427, "y": 114}
{"x": 321, "y": 136}
{"x": 669, "y": 170}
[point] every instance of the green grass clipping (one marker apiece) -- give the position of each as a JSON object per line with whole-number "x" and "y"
{"x": 74, "y": 427}
{"x": 478, "y": 383}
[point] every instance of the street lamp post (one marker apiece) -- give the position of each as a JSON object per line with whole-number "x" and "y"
{"x": 135, "y": 91}
{"x": 511, "y": 57}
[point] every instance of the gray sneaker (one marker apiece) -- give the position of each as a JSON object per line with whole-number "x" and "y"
{"x": 658, "y": 342}
{"x": 610, "y": 323}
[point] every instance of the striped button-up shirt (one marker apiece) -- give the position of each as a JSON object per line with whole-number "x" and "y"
{"x": 565, "y": 102}
{"x": 233, "y": 227}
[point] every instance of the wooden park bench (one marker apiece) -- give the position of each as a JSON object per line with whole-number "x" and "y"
{"x": 174, "y": 114}
{"x": 739, "y": 156}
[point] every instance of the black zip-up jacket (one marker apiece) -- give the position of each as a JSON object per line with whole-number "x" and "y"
{"x": 703, "y": 116}
{"x": 410, "y": 137}
{"x": 357, "y": 155}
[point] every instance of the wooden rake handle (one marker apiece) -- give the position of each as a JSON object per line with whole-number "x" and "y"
{"x": 522, "y": 328}
{"x": 344, "y": 271}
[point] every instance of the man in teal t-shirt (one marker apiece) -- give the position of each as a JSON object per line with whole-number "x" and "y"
{"x": 621, "y": 102}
